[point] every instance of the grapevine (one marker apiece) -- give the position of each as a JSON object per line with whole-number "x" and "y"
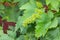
{"x": 29, "y": 19}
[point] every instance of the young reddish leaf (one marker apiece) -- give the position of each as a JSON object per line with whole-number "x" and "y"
{"x": 5, "y": 27}
{"x": 11, "y": 23}
{"x": 6, "y": 4}
{"x": 46, "y": 8}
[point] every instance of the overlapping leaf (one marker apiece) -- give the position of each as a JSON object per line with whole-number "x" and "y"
{"x": 43, "y": 26}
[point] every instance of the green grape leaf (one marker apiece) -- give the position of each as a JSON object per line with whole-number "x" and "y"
{"x": 41, "y": 29}
{"x": 5, "y": 37}
{"x": 54, "y": 23}
{"x": 54, "y": 4}
{"x": 28, "y": 6}
{"x": 52, "y": 35}
{"x": 50, "y": 14}
{"x": 44, "y": 23}
{"x": 11, "y": 34}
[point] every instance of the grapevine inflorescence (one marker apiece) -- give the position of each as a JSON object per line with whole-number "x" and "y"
{"x": 32, "y": 18}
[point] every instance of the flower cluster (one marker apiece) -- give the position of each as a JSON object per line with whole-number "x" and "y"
{"x": 39, "y": 4}
{"x": 32, "y": 18}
